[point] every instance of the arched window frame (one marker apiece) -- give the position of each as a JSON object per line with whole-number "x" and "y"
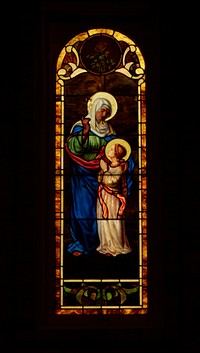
{"x": 62, "y": 74}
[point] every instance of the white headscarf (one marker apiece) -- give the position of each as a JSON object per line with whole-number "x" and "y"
{"x": 103, "y": 128}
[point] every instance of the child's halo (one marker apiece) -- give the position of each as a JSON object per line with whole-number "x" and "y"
{"x": 122, "y": 142}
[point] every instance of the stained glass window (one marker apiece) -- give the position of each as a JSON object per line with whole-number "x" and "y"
{"x": 100, "y": 176}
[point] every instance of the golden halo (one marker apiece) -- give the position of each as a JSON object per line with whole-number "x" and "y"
{"x": 121, "y": 142}
{"x": 107, "y": 96}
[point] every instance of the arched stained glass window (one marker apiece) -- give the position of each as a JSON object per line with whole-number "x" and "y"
{"x": 100, "y": 176}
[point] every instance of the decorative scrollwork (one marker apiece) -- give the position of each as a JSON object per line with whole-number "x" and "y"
{"x": 93, "y": 295}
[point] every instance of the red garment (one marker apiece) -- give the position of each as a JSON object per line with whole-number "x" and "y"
{"x": 104, "y": 206}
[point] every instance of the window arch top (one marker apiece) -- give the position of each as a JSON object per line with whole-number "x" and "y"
{"x": 100, "y": 51}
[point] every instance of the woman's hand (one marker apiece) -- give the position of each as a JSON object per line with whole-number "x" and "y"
{"x": 86, "y": 125}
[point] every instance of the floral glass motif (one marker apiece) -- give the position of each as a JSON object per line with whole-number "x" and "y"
{"x": 101, "y": 55}
{"x": 95, "y": 61}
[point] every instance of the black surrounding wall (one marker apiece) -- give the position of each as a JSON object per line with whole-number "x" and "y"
{"x": 22, "y": 45}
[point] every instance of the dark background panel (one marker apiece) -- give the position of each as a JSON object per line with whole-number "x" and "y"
{"x": 25, "y": 154}
{"x": 95, "y": 266}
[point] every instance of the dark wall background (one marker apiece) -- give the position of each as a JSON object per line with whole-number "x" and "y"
{"x": 23, "y": 153}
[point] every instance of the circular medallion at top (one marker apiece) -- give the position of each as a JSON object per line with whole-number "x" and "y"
{"x": 100, "y": 54}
